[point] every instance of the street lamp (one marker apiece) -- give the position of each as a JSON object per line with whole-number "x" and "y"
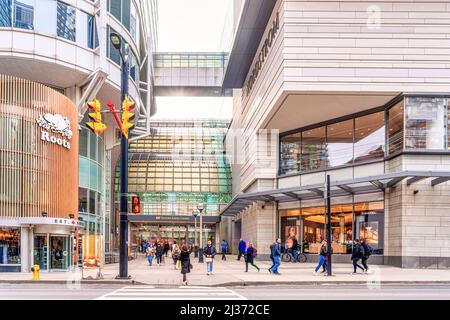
{"x": 200, "y": 208}
{"x": 116, "y": 41}
{"x": 195, "y": 214}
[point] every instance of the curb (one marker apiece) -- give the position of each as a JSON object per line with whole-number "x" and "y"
{"x": 125, "y": 282}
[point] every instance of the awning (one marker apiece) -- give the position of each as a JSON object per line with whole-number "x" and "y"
{"x": 339, "y": 188}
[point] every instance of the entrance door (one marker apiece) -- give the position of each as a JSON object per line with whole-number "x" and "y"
{"x": 40, "y": 252}
{"x": 59, "y": 252}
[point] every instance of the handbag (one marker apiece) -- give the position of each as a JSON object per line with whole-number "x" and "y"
{"x": 208, "y": 259}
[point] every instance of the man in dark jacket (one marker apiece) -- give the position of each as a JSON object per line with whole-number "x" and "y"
{"x": 249, "y": 257}
{"x": 276, "y": 253}
{"x": 159, "y": 253}
{"x": 357, "y": 254}
{"x": 366, "y": 254}
{"x": 242, "y": 246}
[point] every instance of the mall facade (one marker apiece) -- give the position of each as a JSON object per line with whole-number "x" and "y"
{"x": 61, "y": 50}
{"x": 181, "y": 164}
{"x": 355, "y": 90}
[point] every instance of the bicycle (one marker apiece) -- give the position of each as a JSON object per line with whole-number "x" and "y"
{"x": 288, "y": 256}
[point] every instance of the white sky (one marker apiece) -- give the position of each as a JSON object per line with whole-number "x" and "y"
{"x": 194, "y": 26}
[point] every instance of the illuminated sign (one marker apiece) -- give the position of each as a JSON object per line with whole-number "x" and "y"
{"x": 262, "y": 56}
{"x": 55, "y": 123}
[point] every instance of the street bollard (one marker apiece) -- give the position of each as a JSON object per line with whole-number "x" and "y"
{"x": 35, "y": 269}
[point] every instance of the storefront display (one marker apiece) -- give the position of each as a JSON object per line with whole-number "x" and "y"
{"x": 9, "y": 245}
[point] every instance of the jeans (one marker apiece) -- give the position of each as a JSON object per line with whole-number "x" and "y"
{"x": 321, "y": 263}
{"x": 251, "y": 263}
{"x": 150, "y": 260}
{"x": 364, "y": 263}
{"x": 223, "y": 255}
{"x": 209, "y": 267}
{"x": 356, "y": 265}
{"x": 276, "y": 264}
{"x": 295, "y": 254}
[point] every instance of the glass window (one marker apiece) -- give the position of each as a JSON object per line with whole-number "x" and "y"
{"x": 23, "y": 14}
{"x": 66, "y": 21}
{"x": 5, "y": 13}
{"x": 9, "y": 245}
{"x": 82, "y": 200}
{"x": 115, "y": 7}
{"x": 83, "y": 142}
{"x": 395, "y": 125}
{"x": 314, "y": 149}
{"x": 340, "y": 143}
{"x": 369, "y": 137}
{"x": 92, "y": 204}
{"x": 424, "y": 123}
{"x": 45, "y": 17}
{"x": 290, "y": 153}
{"x": 369, "y": 224}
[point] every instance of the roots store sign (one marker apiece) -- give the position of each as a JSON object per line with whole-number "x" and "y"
{"x": 52, "y": 124}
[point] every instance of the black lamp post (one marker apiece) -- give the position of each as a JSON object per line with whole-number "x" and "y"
{"x": 195, "y": 214}
{"x": 116, "y": 41}
{"x": 200, "y": 208}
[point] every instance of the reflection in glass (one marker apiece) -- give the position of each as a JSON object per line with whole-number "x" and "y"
{"x": 424, "y": 123}
{"x": 9, "y": 245}
{"x": 340, "y": 143}
{"x": 23, "y": 14}
{"x": 66, "y": 21}
{"x": 5, "y": 13}
{"x": 395, "y": 125}
{"x": 314, "y": 149}
{"x": 369, "y": 137}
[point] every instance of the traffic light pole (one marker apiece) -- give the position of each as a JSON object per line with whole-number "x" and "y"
{"x": 328, "y": 198}
{"x": 123, "y": 250}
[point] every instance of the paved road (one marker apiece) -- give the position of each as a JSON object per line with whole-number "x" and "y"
{"x": 110, "y": 291}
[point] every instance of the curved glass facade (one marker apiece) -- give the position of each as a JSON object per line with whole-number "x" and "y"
{"x": 179, "y": 165}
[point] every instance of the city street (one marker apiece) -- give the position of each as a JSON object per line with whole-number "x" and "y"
{"x": 288, "y": 292}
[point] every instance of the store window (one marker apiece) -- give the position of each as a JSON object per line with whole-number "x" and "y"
{"x": 425, "y": 123}
{"x": 314, "y": 149}
{"x": 369, "y": 224}
{"x": 5, "y": 13}
{"x": 395, "y": 125}
{"x": 9, "y": 245}
{"x": 369, "y": 137}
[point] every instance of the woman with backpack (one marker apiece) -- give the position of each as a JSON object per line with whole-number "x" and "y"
{"x": 250, "y": 254}
{"x": 185, "y": 261}
{"x": 322, "y": 257}
{"x": 176, "y": 255}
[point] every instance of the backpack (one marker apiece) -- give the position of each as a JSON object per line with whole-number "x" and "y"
{"x": 369, "y": 251}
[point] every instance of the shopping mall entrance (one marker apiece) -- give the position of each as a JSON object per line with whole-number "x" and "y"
{"x": 178, "y": 232}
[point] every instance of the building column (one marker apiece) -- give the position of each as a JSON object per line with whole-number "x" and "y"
{"x": 26, "y": 248}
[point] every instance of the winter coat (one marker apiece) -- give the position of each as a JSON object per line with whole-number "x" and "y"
{"x": 366, "y": 248}
{"x": 357, "y": 252}
{"x": 249, "y": 254}
{"x": 242, "y": 246}
{"x": 224, "y": 246}
{"x": 185, "y": 262}
{"x": 209, "y": 251}
{"x": 276, "y": 251}
{"x": 159, "y": 250}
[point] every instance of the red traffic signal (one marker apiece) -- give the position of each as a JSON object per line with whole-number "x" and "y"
{"x": 135, "y": 204}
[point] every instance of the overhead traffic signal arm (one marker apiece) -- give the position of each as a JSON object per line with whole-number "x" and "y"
{"x": 96, "y": 125}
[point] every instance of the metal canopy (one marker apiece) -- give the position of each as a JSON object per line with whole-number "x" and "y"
{"x": 370, "y": 184}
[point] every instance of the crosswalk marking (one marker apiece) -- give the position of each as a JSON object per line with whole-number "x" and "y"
{"x": 180, "y": 293}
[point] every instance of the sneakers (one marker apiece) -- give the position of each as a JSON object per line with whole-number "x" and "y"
{"x": 270, "y": 270}
{"x": 277, "y": 273}
{"x": 185, "y": 283}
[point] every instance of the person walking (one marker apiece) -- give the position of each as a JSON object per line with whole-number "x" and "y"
{"x": 150, "y": 252}
{"x": 224, "y": 246}
{"x": 271, "y": 257}
{"x": 276, "y": 253}
{"x": 159, "y": 250}
{"x": 166, "y": 247}
{"x": 185, "y": 261}
{"x": 250, "y": 254}
{"x": 176, "y": 255}
{"x": 322, "y": 253}
{"x": 241, "y": 248}
{"x": 357, "y": 254}
{"x": 367, "y": 252}
{"x": 209, "y": 251}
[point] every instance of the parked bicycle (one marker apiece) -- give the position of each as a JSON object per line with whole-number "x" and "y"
{"x": 288, "y": 256}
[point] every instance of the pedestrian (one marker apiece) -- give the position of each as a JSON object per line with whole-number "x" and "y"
{"x": 176, "y": 255}
{"x": 357, "y": 254}
{"x": 166, "y": 247}
{"x": 149, "y": 253}
{"x": 276, "y": 253}
{"x": 271, "y": 257}
{"x": 209, "y": 251}
{"x": 322, "y": 253}
{"x": 159, "y": 250}
{"x": 250, "y": 254}
{"x": 367, "y": 252}
{"x": 241, "y": 248}
{"x": 224, "y": 246}
{"x": 185, "y": 261}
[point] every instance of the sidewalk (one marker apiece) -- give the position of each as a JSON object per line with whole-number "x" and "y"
{"x": 232, "y": 273}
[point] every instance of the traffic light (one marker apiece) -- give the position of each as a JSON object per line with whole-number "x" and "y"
{"x": 127, "y": 116}
{"x": 135, "y": 204}
{"x": 96, "y": 126}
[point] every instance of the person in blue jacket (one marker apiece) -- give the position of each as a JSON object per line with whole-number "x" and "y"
{"x": 276, "y": 253}
{"x": 242, "y": 247}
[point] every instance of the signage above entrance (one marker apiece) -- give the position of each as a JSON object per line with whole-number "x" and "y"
{"x": 55, "y": 123}
{"x": 53, "y": 221}
{"x": 162, "y": 218}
